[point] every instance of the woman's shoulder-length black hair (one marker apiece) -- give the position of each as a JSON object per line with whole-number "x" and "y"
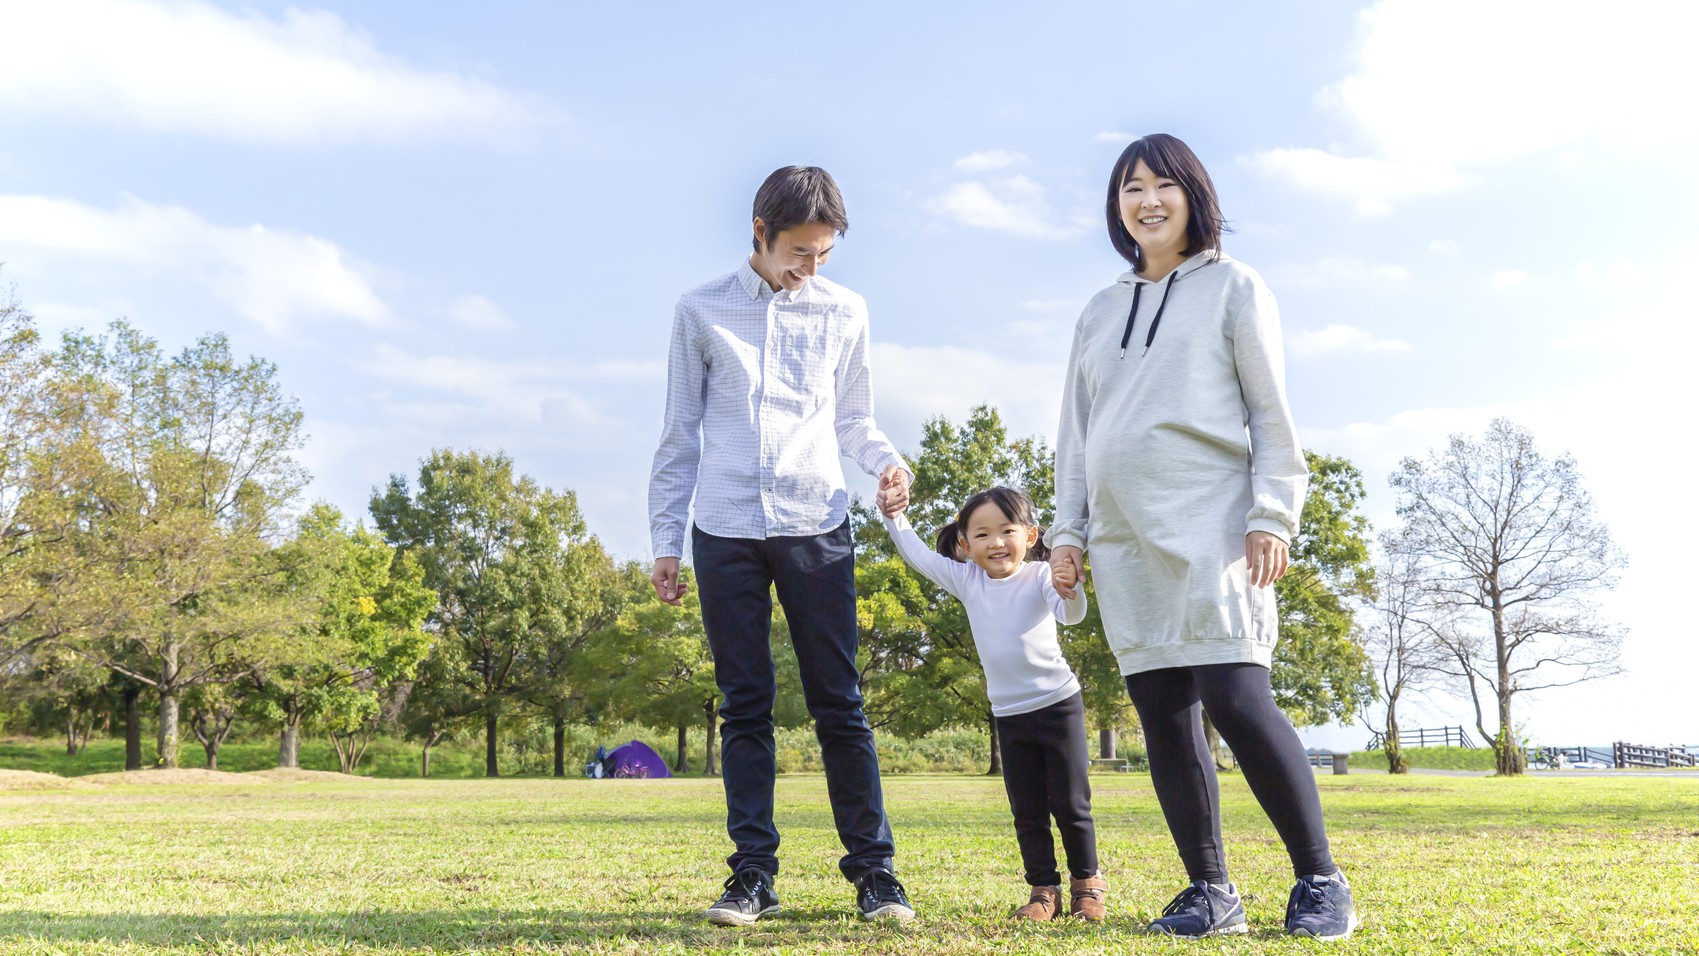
{"x": 1168, "y": 157}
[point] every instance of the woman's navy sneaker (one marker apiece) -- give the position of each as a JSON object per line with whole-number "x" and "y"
{"x": 879, "y": 896}
{"x": 748, "y": 897}
{"x": 1321, "y": 907}
{"x": 1202, "y": 909}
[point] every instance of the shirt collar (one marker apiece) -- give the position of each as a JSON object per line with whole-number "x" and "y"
{"x": 751, "y": 280}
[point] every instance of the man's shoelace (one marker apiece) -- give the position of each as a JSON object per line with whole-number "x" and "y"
{"x": 881, "y": 888}
{"x": 737, "y": 880}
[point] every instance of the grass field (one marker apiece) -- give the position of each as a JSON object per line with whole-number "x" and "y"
{"x": 322, "y": 865}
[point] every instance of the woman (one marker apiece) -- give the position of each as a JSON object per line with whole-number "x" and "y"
{"x": 1178, "y": 466}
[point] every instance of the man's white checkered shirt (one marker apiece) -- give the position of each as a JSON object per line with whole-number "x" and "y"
{"x": 764, "y": 389}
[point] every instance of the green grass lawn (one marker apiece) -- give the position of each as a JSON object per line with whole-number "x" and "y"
{"x": 1440, "y": 865}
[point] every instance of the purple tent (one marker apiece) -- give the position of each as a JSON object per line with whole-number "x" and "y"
{"x": 635, "y": 759}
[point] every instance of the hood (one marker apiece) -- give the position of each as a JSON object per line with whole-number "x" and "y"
{"x": 1191, "y": 264}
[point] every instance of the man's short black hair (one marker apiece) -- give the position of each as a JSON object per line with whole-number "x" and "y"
{"x": 795, "y": 196}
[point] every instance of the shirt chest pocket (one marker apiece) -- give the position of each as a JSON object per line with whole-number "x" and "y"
{"x": 804, "y": 350}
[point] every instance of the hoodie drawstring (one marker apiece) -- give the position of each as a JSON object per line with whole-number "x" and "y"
{"x": 1150, "y": 336}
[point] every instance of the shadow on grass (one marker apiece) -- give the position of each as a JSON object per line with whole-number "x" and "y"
{"x": 460, "y": 929}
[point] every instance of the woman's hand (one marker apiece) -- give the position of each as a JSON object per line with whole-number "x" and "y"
{"x": 1067, "y": 563}
{"x": 1265, "y": 558}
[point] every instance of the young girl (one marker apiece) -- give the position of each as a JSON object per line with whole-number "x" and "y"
{"x": 1177, "y": 464}
{"x": 1013, "y": 607}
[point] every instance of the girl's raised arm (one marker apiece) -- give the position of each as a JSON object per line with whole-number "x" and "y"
{"x": 947, "y": 574}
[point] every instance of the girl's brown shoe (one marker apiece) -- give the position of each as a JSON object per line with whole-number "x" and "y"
{"x": 1085, "y": 898}
{"x": 1045, "y": 904}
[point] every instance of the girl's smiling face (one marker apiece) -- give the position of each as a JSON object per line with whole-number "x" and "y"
{"x": 996, "y": 542}
{"x": 1154, "y": 210}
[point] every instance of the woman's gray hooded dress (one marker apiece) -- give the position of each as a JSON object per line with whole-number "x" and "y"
{"x": 1167, "y": 458}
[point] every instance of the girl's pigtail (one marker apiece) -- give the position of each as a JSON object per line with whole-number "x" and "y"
{"x": 949, "y": 538}
{"x": 1039, "y": 550}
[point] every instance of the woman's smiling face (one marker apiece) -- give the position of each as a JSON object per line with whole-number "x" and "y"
{"x": 1155, "y": 212}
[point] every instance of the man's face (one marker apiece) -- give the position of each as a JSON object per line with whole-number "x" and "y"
{"x": 793, "y": 256}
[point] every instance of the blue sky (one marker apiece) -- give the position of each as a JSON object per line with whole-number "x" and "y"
{"x": 465, "y": 225}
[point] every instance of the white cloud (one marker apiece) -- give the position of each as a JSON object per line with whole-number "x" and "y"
{"x": 1510, "y": 87}
{"x": 1015, "y": 205}
{"x": 187, "y": 66}
{"x": 1445, "y": 247}
{"x": 1340, "y": 338}
{"x": 1114, "y": 136}
{"x": 1372, "y": 184}
{"x": 274, "y": 277}
{"x": 1338, "y": 271}
{"x": 989, "y": 159}
{"x": 478, "y": 313}
{"x": 536, "y": 390}
{"x": 1511, "y": 278}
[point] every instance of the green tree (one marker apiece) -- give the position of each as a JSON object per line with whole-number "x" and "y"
{"x": 1321, "y": 671}
{"x": 367, "y": 636}
{"x": 51, "y": 585}
{"x": 199, "y": 473}
{"x": 439, "y": 704}
{"x": 501, "y": 552}
{"x": 572, "y": 590}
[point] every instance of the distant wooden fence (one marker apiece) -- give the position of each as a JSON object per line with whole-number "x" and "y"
{"x": 1619, "y": 755}
{"x": 1569, "y": 756}
{"x": 1429, "y": 737}
{"x": 1632, "y": 755}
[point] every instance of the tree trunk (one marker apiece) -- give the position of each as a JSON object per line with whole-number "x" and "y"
{"x": 490, "y": 746}
{"x": 168, "y": 707}
{"x": 711, "y": 762}
{"x": 210, "y": 745}
{"x": 996, "y": 751}
{"x": 560, "y": 746}
{"x": 425, "y": 762}
{"x": 682, "y": 764}
{"x": 70, "y": 733}
{"x": 132, "y": 727}
{"x": 1106, "y": 743}
{"x": 168, "y": 710}
{"x": 289, "y": 741}
{"x": 1508, "y": 750}
{"x": 1395, "y": 762}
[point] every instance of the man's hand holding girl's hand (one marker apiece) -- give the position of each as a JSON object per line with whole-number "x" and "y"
{"x": 1066, "y": 563}
{"x": 893, "y": 492}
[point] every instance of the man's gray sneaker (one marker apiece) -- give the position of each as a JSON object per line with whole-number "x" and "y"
{"x": 1202, "y": 909}
{"x": 878, "y": 895}
{"x": 748, "y": 897}
{"x": 1321, "y": 907}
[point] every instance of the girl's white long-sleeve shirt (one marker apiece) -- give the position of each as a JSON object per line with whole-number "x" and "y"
{"x": 1013, "y": 620}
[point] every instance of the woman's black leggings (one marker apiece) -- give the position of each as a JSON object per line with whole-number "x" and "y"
{"x": 1171, "y": 703}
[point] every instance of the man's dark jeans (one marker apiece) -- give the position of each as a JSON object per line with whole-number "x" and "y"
{"x": 815, "y": 579}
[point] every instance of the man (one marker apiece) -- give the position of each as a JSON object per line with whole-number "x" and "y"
{"x": 767, "y": 383}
